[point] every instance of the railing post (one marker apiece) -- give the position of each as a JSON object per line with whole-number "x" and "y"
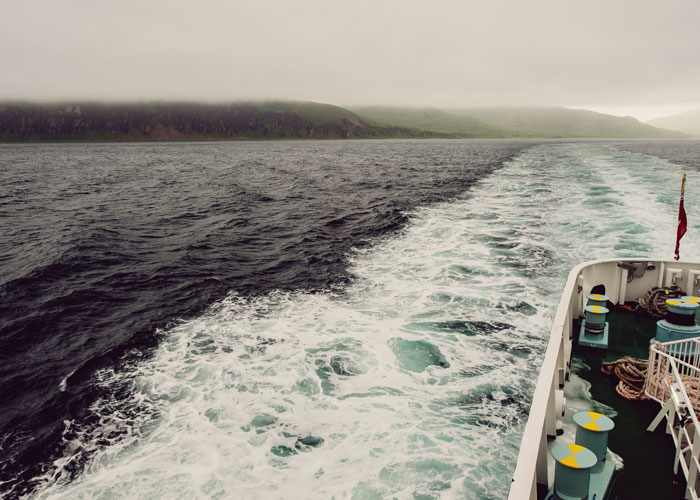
{"x": 541, "y": 470}
{"x": 561, "y": 364}
{"x": 623, "y": 286}
{"x": 551, "y": 416}
{"x": 693, "y": 466}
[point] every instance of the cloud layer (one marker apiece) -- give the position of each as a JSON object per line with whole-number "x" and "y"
{"x": 599, "y": 53}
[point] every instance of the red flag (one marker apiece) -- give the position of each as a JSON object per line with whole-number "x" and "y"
{"x": 682, "y": 221}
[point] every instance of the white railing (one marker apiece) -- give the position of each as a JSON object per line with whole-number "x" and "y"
{"x": 673, "y": 380}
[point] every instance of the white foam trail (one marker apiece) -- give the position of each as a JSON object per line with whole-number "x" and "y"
{"x": 416, "y": 378}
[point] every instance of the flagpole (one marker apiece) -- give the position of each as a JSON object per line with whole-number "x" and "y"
{"x": 682, "y": 221}
{"x": 683, "y": 186}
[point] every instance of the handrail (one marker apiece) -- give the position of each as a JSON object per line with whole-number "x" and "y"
{"x": 675, "y": 354}
{"x": 668, "y": 385}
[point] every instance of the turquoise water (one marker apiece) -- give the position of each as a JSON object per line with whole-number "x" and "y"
{"x": 413, "y": 381}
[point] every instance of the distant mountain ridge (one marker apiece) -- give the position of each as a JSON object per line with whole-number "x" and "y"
{"x": 428, "y": 119}
{"x": 187, "y": 121}
{"x": 687, "y": 122}
{"x": 22, "y": 122}
{"x": 535, "y": 122}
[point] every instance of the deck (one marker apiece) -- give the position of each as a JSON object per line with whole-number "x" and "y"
{"x": 648, "y": 457}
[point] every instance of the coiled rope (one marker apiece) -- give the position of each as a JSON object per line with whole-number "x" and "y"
{"x": 632, "y": 373}
{"x": 654, "y": 301}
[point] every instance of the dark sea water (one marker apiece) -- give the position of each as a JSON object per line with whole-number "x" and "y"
{"x": 679, "y": 152}
{"x": 103, "y": 246}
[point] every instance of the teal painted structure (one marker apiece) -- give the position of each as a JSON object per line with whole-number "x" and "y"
{"x": 596, "y": 299}
{"x": 592, "y": 431}
{"x": 594, "y": 329}
{"x": 695, "y": 300}
{"x": 587, "y": 339}
{"x": 581, "y": 470}
{"x": 595, "y": 317}
{"x": 572, "y": 472}
{"x": 680, "y": 323}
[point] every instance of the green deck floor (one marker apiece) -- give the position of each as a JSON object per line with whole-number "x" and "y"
{"x": 648, "y": 457}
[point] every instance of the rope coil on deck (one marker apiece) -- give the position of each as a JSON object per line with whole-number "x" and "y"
{"x": 632, "y": 373}
{"x": 654, "y": 301}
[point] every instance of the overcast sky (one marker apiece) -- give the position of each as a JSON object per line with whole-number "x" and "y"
{"x": 625, "y": 57}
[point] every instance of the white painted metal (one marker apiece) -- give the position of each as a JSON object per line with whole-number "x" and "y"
{"x": 661, "y": 276}
{"x": 532, "y": 466}
{"x": 691, "y": 286}
{"x": 673, "y": 276}
{"x": 623, "y": 286}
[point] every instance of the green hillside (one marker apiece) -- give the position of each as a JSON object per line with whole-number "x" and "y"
{"x": 563, "y": 122}
{"x": 687, "y": 122}
{"x": 537, "y": 122}
{"x": 427, "y": 119}
{"x": 314, "y": 112}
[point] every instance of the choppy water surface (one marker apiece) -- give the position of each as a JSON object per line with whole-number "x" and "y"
{"x": 369, "y": 341}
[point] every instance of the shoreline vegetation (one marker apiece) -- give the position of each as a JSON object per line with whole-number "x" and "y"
{"x": 298, "y": 120}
